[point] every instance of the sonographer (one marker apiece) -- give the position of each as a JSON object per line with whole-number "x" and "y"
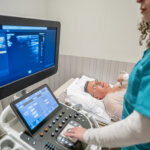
{"x": 132, "y": 132}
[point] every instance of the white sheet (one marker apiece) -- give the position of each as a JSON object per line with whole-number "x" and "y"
{"x": 76, "y": 95}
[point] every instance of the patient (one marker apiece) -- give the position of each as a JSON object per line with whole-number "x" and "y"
{"x": 112, "y": 95}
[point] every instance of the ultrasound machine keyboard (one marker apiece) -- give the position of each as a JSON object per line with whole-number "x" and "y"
{"x": 46, "y": 120}
{"x": 51, "y": 136}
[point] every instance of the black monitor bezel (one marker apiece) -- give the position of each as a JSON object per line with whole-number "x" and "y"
{"x": 22, "y": 83}
{"x": 22, "y": 120}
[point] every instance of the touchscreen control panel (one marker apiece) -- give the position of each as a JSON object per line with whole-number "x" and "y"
{"x": 46, "y": 121}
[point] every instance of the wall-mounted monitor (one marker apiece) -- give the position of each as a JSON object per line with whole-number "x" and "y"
{"x": 29, "y": 51}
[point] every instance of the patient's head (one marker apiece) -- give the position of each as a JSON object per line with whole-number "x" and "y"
{"x": 97, "y": 89}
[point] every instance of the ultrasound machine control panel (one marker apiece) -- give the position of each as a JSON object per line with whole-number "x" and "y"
{"x": 46, "y": 121}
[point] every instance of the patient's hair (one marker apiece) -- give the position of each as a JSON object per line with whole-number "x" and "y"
{"x": 85, "y": 86}
{"x": 144, "y": 27}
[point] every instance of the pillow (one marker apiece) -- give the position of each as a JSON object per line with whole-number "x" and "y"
{"x": 76, "y": 95}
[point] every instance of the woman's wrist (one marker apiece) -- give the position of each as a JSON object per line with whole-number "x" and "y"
{"x": 85, "y": 136}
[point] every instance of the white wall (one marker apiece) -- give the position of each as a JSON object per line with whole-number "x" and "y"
{"x": 24, "y": 8}
{"x": 98, "y": 28}
{"x": 90, "y": 28}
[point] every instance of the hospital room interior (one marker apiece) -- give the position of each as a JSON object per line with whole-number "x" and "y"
{"x": 65, "y": 46}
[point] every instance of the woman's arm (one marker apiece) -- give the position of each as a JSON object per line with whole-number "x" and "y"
{"x": 130, "y": 131}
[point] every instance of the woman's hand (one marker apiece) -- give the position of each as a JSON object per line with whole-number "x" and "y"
{"x": 124, "y": 76}
{"x": 76, "y": 132}
{"x": 121, "y": 77}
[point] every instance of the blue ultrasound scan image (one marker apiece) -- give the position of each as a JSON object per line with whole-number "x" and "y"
{"x": 35, "y": 108}
{"x": 25, "y": 50}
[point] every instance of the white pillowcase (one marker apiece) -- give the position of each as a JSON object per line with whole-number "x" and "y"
{"x": 76, "y": 95}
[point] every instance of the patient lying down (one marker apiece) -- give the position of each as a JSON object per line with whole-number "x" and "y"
{"x": 112, "y": 95}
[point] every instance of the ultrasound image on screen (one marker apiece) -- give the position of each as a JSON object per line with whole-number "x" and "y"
{"x": 25, "y": 50}
{"x": 35, "y": 108}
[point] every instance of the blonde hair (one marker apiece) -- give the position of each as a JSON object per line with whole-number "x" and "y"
{"x": 144, "y": 27}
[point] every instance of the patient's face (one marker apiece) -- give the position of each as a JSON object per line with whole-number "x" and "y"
{"x": 98, "y": 89}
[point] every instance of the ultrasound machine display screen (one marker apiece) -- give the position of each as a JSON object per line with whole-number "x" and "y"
{"x": 25, "y": 50}
{"x": 36, "y": 107}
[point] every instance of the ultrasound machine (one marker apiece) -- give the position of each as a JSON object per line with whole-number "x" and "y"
{"x": 29, "y": 51}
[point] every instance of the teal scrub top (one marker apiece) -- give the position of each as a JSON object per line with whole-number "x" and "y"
{"x": 137, "y": 96}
